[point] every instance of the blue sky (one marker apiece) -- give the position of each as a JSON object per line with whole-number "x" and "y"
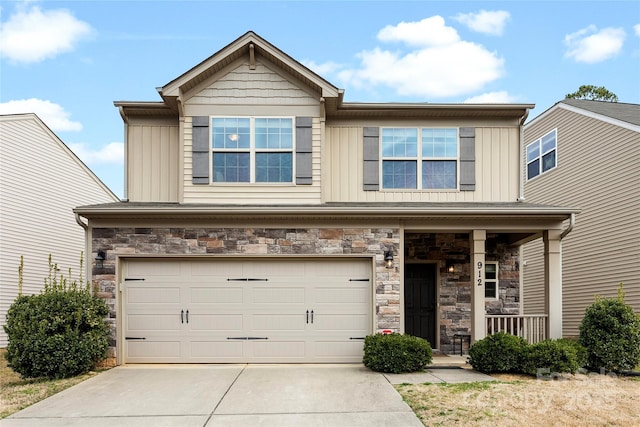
{"x": 68, "y": 61}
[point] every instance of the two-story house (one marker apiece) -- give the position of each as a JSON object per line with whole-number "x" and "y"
{"x": 586, "y": 154}
{"x": 268, "y": 220}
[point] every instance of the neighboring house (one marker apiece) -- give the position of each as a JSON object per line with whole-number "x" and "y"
{"x": 270, "y": 221}
{"x": 586, "y": 154}
{"x": 41, "y": 181}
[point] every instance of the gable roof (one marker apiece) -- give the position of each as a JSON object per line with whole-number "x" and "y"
{"x": 617, "y": 113}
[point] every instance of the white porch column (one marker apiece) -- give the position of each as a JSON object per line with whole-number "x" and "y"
{"x": 553, "y": 282}
{"x": 478, "y": 322}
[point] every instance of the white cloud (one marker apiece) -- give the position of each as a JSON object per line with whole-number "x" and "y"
{"x": 500, "y": 97}
{"x": 488, "y": 22}
{"x": 591, "y": 45}
{"x": 52, "y": 114}
{"x": 33, "y": 35}
{"x": 112, "y": 153}
{"x": 321, "y": 69}
{"x": 437, "y": 63}
{"x": 636, "y": 28}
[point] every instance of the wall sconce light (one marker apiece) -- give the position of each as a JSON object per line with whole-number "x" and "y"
{"x": 388, "y": 258}
{"x": 100, "y": 259}
{"x": 450, "y": 267}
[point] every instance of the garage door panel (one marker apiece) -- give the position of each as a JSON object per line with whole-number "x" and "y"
{"x": 153, "y": 350}
{"x": 262, "y": 304}
{"x": 216, "y": 295}
{"x": 216, "y": 322}
{"x": 153, "y": 295}
{"x": 153, "y": 322}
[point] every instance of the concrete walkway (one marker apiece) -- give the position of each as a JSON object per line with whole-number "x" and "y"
{"x": 235, "y": 395}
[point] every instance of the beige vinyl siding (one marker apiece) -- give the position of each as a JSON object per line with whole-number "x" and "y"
{"x": 533, "y": 270}
{"x": 497, "y": 172}
{"x": 245, "y": 92}
{"x": 597, "y": 172}
{"x": 41, "y": 182}
{"x": 152, "y": 162}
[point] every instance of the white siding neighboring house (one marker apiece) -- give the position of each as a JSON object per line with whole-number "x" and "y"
{"x": 41, "y": 181}
{"x": 597, "y": 158}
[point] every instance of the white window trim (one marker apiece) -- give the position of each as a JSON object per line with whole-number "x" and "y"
{"x": 419, "y": 159}
{"x": 252, "y": 151}
{"x": 496, "y": 280}
{"x": 539, "y": 140}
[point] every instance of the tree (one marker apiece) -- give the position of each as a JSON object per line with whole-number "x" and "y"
{"x": 593, "y": 93}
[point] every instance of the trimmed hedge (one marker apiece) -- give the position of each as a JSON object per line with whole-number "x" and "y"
{"x": 610, "y": 330}
{"x": 551, "y": 356}
{"x": 500, "y": 352}
{"x": 59, "y": 333}
{"x": 396, "y": 353}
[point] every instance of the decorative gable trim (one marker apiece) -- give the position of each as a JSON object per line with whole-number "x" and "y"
{"x": 200, "y": 151}
{"x": 467, "y": 159}
{"x": 371, "y": 155}
{"x": 304, "y": 151}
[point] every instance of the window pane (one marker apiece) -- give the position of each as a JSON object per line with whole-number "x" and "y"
{"x": 533, "y": 169}
{"x": 400, "y": 142}
{"x": 549, "y": 141}
{"x": 274, "y": 167}
{"x": 490, "y": 290}
{"x": 399, "y": 174}
{"x": 438, "y": 174}
{"x": 231, "y": 133}
{"x": 231, "y": 167}
{"x": 275, "y": 133}
{"x": 533, "y": 151}
{"x": 548, "y": 161}
{"x": 490, "y": 272}
{"x": 439, "y": 142}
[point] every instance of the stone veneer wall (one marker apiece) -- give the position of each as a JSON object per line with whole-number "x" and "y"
{"x": 250, "y": 242}
{"x": 455, "y": 288}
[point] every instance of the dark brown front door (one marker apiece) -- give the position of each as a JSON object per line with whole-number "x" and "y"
{"x": 420, "y": 301}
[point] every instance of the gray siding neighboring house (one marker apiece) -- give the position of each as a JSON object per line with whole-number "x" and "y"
{"x": 596, "y": 171}
{"x": 41, "y": 181}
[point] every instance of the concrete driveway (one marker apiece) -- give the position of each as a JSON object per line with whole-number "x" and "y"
{"x": 224, "y": 395}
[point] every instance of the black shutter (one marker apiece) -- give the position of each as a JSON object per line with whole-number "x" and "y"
{"x": 371, "y": 167}
{"x": 467, "y": 159}
{"x": 304, "y": 151}
{"x": 200, "y": 151}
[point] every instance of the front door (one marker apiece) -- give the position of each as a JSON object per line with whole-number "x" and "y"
{"x": 420, "y": 301}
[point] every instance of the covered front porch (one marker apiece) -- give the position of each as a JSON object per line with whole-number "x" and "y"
{"x": 461, "y": 285}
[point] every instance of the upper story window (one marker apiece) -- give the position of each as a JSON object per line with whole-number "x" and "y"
{"x": 541, "y": 155}
{"x": 252, "y": 149}
{"x": 419, "y": 158}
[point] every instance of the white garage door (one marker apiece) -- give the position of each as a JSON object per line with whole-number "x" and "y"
{"x": 237, "y": 311}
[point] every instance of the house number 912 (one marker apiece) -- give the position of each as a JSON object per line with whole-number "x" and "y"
{"x": 479, "y": 274}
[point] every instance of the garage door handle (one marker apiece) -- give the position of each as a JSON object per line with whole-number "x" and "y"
{"x": 311, "y": 316}
{"x": 356, "y": 338}
{"x": 307, "y": 316}
{"x": 135, "y": 338}
{"x": 187, "y": 316}
{"x": 181, "y": 316}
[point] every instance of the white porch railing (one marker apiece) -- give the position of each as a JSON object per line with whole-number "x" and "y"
{"x": 532, "y": 328}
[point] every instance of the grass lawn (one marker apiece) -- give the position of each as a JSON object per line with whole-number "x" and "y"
{"x": 577, "y": 400}
{"x": 17, "y": 393}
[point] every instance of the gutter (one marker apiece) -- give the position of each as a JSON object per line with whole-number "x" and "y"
{"x": 521, "y": 179}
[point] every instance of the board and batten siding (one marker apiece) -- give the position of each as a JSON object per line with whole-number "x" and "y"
{"x": 41, "y": 181}
{"x": 245, "y": 92}
{"x": 153, "y": 162}
{"x": 597, "y": 172}
{"x": 496, "y": 157}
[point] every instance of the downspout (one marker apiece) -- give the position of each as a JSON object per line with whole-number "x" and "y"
{"x": 86, "y": 245}
{"x": 520, "y": 157}
{"x": 572, "y": 223}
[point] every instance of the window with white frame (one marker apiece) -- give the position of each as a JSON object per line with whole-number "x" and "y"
{"x": 541, "y": 155}
{"x": 419, "y": 158}
{"x": 491, "y": 280}
{"x": 252, "y": 149}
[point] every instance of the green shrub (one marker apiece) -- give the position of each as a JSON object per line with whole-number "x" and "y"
{"x": 396, "y": 353}
{"x": 500, "y": 352}
{"x": 59, "y": 333}
{"x": 553, "y": 356}
{"x": 610, "y": 331}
